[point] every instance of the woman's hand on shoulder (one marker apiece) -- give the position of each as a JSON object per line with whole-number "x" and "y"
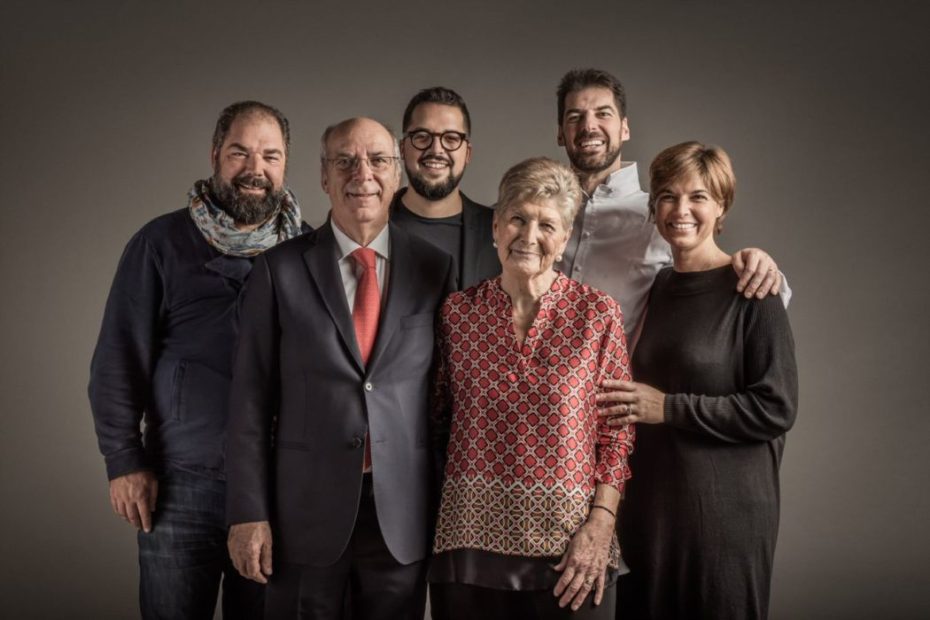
{"x": 629, "y": 402}
{"x": 584, "y": 565}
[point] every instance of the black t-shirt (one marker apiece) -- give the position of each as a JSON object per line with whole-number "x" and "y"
{"x": 443, "y": 232}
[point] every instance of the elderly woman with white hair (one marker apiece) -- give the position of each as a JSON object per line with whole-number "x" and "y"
{"x": 532, "y": 477}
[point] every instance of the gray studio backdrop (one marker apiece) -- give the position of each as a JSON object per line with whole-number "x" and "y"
{"x": 107, "y": 111}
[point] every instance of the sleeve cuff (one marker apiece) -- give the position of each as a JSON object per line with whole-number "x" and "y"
{"x": 126, "y": 462}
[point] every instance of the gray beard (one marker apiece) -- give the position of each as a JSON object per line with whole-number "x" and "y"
{"x": 245, "y": 209}
{"x": 433, "y": 192}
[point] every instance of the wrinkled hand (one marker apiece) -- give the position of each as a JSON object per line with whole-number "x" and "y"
{"x": 629, "y": 402}
{"x": 758, "y": 273}
{"x": 249, "y": 547}
{"x": 584, "y": 565}
{"x": 133, "y": 498}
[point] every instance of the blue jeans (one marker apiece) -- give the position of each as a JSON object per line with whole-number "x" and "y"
{"x": 184, "y": 558}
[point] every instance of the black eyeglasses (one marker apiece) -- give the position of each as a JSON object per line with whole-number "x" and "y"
{"x": 450, "y": 140}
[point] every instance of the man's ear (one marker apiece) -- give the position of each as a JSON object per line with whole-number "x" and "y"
{"x": 560, "y": 137}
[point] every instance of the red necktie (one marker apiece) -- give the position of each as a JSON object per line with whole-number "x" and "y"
{"x": 365, "y": 313}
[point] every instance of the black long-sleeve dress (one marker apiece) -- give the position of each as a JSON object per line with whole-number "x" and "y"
{"x": 700, "y": 517}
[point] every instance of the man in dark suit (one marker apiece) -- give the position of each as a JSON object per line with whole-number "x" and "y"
{"x": 327, "y": 452}
{"x": 436, "y": 148}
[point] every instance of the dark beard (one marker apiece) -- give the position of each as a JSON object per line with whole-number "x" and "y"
{"x": 246, "y": 209}
{"x": 592, "y": 164}
{"x": 433, "y": 192}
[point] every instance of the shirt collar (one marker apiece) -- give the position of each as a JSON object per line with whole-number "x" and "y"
{"x": 380, "y": 244}
{"x": 622, "y": 182}
{"x": 497, "y": 296}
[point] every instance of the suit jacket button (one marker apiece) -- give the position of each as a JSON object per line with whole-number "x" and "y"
{"x": 369, "y": 387}
{"x": 357, "y": 442}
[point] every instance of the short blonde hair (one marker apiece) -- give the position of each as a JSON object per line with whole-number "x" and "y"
{"x": 541, "y": 178}
{"x": 709, "y": 163}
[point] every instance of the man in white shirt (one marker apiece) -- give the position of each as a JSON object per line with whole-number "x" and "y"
{"x": 614, "y": 245}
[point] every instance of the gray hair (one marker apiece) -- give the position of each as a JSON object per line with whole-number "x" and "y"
{"x": 541, "y": 178}
{"x": 342, "y": 125}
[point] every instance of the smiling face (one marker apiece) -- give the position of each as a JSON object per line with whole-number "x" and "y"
{"x": 592, "y": 130}
{"x": 248, "y": 169}
{"x": 360, "y": 195}
{"x": 529, "y": 237}
{"x": 436, "y": 172}
{"x": 686, "y": 214}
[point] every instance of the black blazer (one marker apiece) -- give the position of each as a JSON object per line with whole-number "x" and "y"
{"x": 302, "y": 400}
{"x": 479, "y": 256}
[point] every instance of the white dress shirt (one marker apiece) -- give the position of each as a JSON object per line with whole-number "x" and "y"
{"x": 615, "y": 246}
{"x": 349, "y": 268}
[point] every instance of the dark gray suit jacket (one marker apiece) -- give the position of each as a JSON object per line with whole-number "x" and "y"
{"x": 302, "y": 400}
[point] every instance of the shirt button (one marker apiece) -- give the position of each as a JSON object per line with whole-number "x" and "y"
{"x": 586, "y": 234}
{"x": 369, "y": 387}
{"x": 357, "y": 442}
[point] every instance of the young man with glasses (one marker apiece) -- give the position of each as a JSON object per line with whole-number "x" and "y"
{"x": 436, "y": 148}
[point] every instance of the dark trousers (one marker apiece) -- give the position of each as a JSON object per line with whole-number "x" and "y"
{"x": 183, "y": 559}
{"x": 456, "y": 601}
{"x": 365, "y": 583}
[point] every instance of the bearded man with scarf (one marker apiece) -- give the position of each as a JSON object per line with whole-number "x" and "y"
{"x": 164, "y": 357}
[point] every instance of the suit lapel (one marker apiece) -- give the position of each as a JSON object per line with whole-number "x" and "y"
{"x": 471, "y": 235}
{"x": 399, "y": 293}
{"x": 321, "y": 259}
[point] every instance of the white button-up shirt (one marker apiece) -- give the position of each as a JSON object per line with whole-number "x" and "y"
{"x": 615, "y": 247}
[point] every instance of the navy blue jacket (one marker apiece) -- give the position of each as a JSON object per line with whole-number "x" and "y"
{"x": 165, "y": 351}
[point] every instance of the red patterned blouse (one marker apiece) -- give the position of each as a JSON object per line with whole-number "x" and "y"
{"x": 525, "y": 445}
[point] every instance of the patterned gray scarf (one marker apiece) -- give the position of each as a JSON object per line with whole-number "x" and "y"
{"x": 220, "y": 230}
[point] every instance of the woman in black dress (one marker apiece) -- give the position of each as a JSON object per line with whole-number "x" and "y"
{"x": 715, "y": 392}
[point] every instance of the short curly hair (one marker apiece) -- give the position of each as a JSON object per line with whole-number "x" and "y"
{"x": 541, "y": 178}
